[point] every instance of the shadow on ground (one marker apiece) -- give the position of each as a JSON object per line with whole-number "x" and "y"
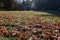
{"x": 53, "y": 12}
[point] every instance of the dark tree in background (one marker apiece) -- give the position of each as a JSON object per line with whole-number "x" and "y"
{"x": 6, "y": 3}
{"x": 48, "y": 4}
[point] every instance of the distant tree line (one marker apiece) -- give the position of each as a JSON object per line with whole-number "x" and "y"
{"x": 31, "y": 5}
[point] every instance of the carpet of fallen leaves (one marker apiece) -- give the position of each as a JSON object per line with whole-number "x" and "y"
{"x": 29, "y": 26}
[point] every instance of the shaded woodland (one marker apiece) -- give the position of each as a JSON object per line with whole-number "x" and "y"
{"x": 30, "y": 5}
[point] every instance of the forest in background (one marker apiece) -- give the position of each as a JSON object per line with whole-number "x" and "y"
{"x": 30, "y": 5}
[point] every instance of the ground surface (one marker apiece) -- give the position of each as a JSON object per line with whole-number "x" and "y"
{"x": 24, "y": 18}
